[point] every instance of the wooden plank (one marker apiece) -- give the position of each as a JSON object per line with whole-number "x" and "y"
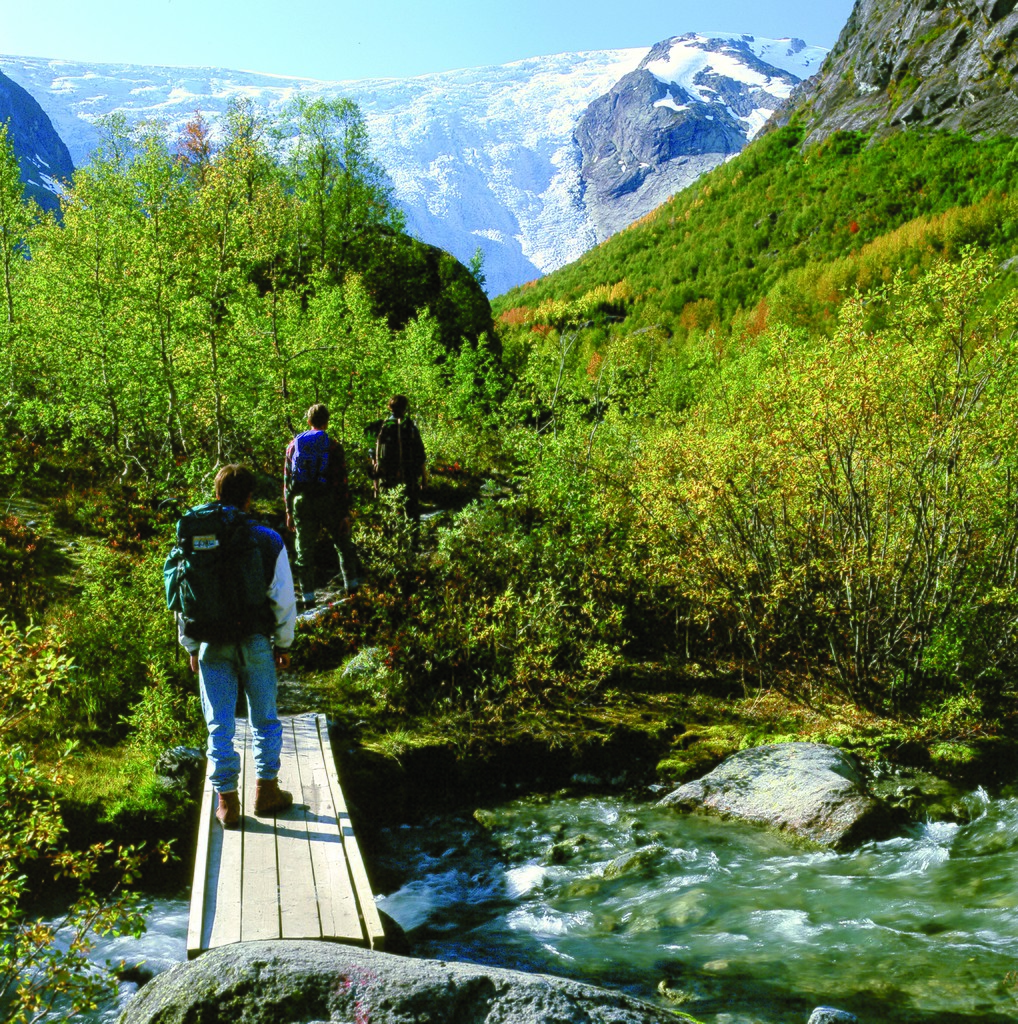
{"x": 260, "y": 879}
{"x": 300, "y": 875}
{"x": 223, "y": 896}
{"x": 298, "y": 901}
{"x": 362, "y": 887}
{"x": 337, "y": 903}
{"x": 199, "y": 921}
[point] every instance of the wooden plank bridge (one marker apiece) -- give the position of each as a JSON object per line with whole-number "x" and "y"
{"x": 297, "y": 876}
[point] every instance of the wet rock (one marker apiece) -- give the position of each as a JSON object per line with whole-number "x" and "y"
{"x": 687, "y": 992}
{"x": 921, "y": 796}
{"x": 828, "y": 1015}
{"x": 296, "y": 982}
{"x": 688, "y": 909}
{"x": 810, "y": 791}
{"x": 637, "y": 862}
{"x": 486, "y": 819}
{"x": 567, "y": 850}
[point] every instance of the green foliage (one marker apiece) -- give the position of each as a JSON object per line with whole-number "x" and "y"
{"x": 116, "y": 515}
{"x": 731, "y": 238}
{"x": 21, "y": 591}
{"x": 44, "y": 964}
{"x": 854, "y": 498}
{"x": 203, "y": 299}
{"x": 122, "y": 641}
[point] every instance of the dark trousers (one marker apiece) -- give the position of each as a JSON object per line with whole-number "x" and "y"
{"x": 313, "y": 513}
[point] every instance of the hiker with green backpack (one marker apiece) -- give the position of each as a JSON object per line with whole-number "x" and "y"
{"x": 399, "y": 457}
{"x": 228, "y": 580}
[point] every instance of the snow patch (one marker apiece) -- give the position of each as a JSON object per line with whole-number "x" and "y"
{"x": 669, "y": 102}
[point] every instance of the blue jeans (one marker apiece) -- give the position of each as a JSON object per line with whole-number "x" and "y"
{"x": 222, "y": 670}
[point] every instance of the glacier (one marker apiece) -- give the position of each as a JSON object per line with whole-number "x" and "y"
{"x": 478, "y": 157}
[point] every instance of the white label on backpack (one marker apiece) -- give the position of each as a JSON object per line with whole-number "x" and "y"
{"x": 206, "y": 543}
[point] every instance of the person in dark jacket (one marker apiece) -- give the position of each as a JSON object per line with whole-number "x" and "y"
{"x": 400, "y": 459}
{"x": 317, "y": 498}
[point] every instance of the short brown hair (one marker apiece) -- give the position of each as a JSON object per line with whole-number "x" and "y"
{"x": 318, "y": 415}
{"x": 398, "y": 405}
{"x": 234, "y": 485}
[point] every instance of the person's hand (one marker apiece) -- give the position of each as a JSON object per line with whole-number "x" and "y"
{"x": 282, "y": 659}
{"x": 194, "y": 662}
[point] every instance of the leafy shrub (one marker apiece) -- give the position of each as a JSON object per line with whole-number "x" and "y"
{"x": 121, "y": 638}
{"x": 118, "y": 515}
{"x": 21, "y": 559}
{"x": 35, "y": 973}
{"x": 849, "y": 508}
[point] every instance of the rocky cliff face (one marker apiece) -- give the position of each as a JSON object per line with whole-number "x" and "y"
{"x": 904, "y": 63}
{"x": 691, "y": 104}
{"x": 42, "y": 155}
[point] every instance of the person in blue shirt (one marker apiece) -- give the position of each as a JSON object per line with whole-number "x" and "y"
{"x": 317, "y": 498}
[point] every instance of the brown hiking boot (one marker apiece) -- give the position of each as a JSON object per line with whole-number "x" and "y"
{"x": 270, "y": 799}
{"x": 228, "y": 811}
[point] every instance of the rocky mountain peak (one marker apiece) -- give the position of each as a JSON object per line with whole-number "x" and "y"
{"x": 42, "y": 155}
{"x": 903, "y": 63}
{"x": 691, "y": 103}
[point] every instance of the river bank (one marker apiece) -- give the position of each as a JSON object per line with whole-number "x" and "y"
{"x": 637, "y": 749}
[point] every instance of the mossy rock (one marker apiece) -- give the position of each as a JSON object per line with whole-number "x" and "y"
{"x": 953, "y": 756}
{"x": 567, "y": 850}
{"x": 639, "y": 861}
{"x": 698, "y": 750}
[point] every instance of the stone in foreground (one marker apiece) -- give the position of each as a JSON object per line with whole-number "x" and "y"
{"x": 298, "y": 982}
{"x": 810, "y": 791}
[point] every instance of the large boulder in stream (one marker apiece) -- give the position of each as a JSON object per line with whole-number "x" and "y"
{"x": 811, "y": 791}
{"x": 300, "y": 982}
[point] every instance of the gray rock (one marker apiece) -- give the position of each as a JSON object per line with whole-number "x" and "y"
{"x": 301, "y": 982}
{"x": 644, "y": 140}
{"x": 41, "y": 153}
{"x": 828, "y": 1015}
{"x": 916, "y": 63}
{"x": 813, "y": 792}
{"x": 181, "y": 769}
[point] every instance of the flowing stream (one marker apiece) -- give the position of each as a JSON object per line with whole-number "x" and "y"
{"x": 723, "y": 921}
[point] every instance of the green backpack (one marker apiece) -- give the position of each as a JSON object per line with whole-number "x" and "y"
{"x": 215, "y": 576}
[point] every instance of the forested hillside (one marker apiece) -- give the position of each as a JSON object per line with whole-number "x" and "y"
{"x": 790, "y": 232}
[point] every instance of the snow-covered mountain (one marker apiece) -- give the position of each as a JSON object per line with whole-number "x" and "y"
{"x": 534, "y": 161}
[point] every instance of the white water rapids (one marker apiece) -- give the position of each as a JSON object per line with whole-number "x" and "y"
{"x": 723, "y": 921}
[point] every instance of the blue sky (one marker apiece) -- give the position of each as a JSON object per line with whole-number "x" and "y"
{"x": 382, "y": 38}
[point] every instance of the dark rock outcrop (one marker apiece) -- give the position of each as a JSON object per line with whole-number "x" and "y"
{"x": 906, "y": 63}
{"x": 811, "y": 791}
{"x": 291, "y": 982}
{"x": 182, "y": 770}
{"x": 41, "y": 153}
